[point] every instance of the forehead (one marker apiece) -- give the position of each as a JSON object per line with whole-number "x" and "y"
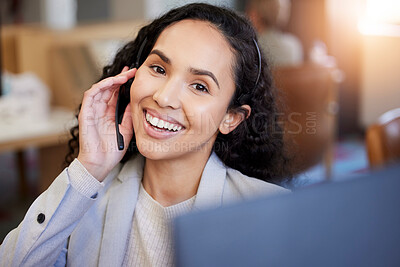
{"x": 199, "y": 42}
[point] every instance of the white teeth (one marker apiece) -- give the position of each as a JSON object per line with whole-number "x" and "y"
{"x": 154, "y": 121}
{"x": 162, "y": 124}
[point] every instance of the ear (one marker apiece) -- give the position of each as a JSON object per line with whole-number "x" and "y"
{"x": 233, "y": 118}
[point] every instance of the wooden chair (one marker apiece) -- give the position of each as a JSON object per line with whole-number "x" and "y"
{"x": 309, "y": 98}
{"x": 383, "y": 139}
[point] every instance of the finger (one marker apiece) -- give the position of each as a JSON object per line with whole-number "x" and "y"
{"x": 113, "y": 83}
{"x": 128, "y": 73}
{"x": 125, "y": 69}
{"x": 109, "y": 84}
{"x": 127, "y": 126}
{"x": 112, "y": 103}
{"x": 113, "y": 98}
{"x": 127, "y": 119}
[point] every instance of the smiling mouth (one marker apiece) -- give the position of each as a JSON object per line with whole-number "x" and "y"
{"x": 161, "y": 125}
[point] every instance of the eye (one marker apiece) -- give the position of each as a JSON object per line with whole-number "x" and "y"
{"x": 158, "y": 69}
{"x": 200, "y": 87}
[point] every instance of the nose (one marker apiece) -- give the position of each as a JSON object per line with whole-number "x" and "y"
{"x": 168, "y": 95}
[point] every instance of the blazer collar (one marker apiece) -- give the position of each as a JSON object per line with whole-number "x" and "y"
{"x": 132, "y": 169}
{"x": 211, "y": 187}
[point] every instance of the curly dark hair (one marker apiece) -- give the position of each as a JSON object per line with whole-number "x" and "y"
{"x": 256, "y": 146}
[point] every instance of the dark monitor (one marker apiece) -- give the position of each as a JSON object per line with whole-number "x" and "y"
{"x": 351, "y": 223}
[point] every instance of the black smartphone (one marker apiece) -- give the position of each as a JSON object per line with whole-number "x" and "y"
{"x": 124, "y": 99}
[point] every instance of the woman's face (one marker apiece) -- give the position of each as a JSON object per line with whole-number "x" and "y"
{"x": 180, "y": 94}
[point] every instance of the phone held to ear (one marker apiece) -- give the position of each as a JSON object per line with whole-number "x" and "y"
{"x": 124, "y": 99}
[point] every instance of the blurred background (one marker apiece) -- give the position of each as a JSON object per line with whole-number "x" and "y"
{"x": 336, "y": 63}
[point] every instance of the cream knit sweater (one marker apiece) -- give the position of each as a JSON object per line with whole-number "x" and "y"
{"x": 150, "y": 241}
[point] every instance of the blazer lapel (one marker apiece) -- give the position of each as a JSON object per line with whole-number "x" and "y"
{"x": 211, "y": 187}
{"x": 119, "y": 214}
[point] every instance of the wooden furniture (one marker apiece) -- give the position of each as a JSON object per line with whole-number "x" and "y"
{"x": 49, "y": 136}
{"x": 309, "y": 97}
{"x": 383, "y": 139}
{"x": 32, "y": 48}
{"x": 334, "y": 22}
{"x": 62, "y": 60}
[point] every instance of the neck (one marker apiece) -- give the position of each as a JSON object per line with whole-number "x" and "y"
{"x": 171, "y": 181}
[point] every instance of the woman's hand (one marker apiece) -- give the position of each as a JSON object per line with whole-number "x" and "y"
{"x": 98, "y": 149}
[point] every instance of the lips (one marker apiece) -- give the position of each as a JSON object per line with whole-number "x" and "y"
{"x": 161, "y": 123}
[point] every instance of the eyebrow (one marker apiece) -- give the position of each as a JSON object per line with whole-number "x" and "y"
{"x": 161, "y": 55}
{"x": 191, "y": 70}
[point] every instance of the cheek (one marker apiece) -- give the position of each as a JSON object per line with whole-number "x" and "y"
{"x": 136, "y": 94}
{"x": 205, "y": 117}
{"x": 140, "y": 88}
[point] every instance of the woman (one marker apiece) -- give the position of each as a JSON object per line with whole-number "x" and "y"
{"x": 201, "y": 120}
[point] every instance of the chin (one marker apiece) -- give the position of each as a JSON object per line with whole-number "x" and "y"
{"x": 172, "y": 149}
{"x": 155, "y": 150}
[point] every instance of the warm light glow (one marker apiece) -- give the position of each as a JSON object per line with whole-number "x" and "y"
{"x": 381, "y": 17}
{"x": 383, "y": 11}
{"x": 382, "y": 29}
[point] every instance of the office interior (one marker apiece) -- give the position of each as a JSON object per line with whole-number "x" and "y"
{"x": 344, "y": 98}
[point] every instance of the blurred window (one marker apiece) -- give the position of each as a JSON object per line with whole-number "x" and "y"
{"x": 381, "y": 17}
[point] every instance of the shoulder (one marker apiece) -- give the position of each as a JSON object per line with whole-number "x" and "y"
{"x": 239, "y": 185}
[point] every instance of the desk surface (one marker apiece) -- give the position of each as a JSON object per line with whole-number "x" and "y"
{"x": 22, "y": 134}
